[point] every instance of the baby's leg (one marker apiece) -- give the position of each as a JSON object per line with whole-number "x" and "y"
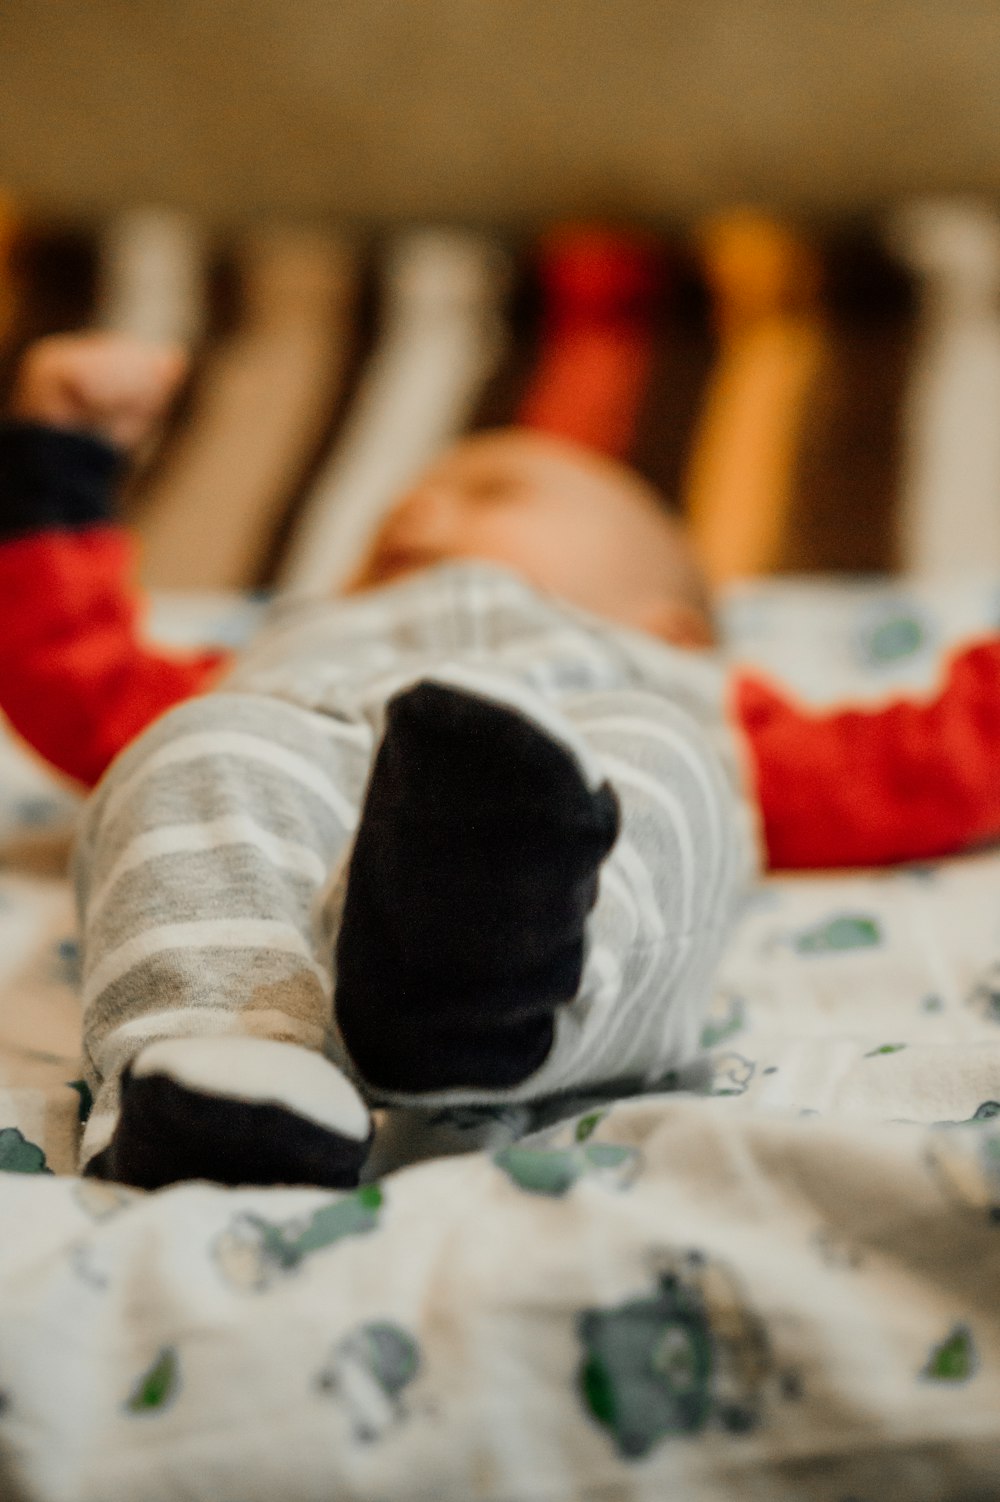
{"x": 671, "y": 892}
{"x": 485, "y": 952}
{"x": 198, "y": 870}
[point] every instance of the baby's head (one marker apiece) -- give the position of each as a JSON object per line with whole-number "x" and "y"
{"x": 574, "y": 523}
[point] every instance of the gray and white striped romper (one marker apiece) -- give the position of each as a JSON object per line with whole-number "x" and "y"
{"x": 209, "y": 862}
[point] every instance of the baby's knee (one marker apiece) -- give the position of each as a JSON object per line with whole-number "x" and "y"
{"x": 645, "y": 739}
{"x": 685, "y": 819}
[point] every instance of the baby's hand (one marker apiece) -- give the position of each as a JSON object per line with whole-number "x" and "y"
{"x": 109, "y": 384}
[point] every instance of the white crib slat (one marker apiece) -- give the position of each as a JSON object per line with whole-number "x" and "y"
{"x": 152, "y": 278}
{"x": 441, "y": 337}
{"x": 950, "y": 482}
{"x": 211, "y": 510}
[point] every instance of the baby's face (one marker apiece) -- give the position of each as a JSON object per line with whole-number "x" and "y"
{"x": 573, "y": 523}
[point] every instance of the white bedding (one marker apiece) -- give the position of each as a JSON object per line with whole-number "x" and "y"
{"x": 784, "y": 1290}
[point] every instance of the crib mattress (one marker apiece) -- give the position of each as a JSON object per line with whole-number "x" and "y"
{"x": 781, "y": 1286}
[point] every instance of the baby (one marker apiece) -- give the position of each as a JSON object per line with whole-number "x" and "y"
{"x": 465, "y": 845}
{"x": 472, "y": 837}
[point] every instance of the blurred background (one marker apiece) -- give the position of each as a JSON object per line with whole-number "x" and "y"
{"x": 752, "y": 249}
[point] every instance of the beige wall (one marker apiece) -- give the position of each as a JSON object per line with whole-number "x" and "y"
{"x": 495, "y": 109}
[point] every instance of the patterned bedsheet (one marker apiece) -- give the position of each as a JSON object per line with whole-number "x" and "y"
{"x": 784, "y": 1288}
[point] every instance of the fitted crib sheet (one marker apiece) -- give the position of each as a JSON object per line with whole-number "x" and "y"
{"x": 781, "y": 1286}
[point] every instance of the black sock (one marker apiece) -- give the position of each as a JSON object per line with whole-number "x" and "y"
{"x": 255, "y": 1125}
{"x": 475, "y": 866}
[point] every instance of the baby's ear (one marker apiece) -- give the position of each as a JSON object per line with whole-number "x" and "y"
{"x": 678, "y": 623}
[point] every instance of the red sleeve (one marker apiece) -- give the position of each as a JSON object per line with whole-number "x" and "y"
{"x": 911, "y": 781}
{"x": 77, "y": 681}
